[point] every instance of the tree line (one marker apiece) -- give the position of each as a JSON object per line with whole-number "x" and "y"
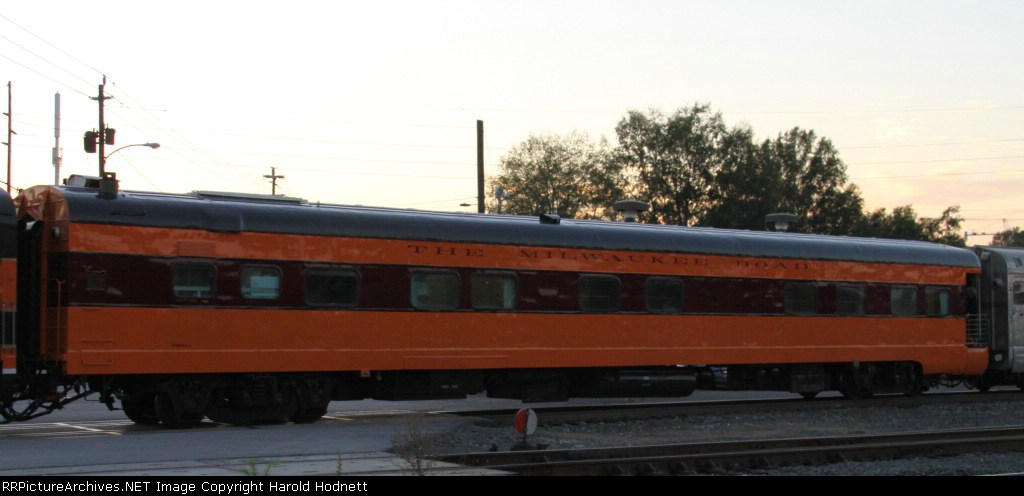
{"x": 695, "y": 170}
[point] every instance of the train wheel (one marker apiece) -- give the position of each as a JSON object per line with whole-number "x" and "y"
{"x": 312, "y": 404}
{"x": 309, "y": 416}
{"x": 850, "y": 386}
{"x": 978, "y": 383}
{"x": 191, "y": 419}
{"x": 140, "y": 412}
{"x": 169, "y": 412}
{"x": 913, "y": 384}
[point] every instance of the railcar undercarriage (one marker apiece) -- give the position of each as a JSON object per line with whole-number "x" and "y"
{"x": 185, "y": 400}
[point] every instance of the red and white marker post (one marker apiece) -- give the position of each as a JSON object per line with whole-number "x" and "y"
{"x": 525, "y": 423}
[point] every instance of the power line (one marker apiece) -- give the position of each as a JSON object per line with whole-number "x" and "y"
{"x": 72, "y": 88}
{"x": 435, "y": 201}
{"x": 315, "y": 140}
{"x": 285, "y": 117}
{"x": 139, "y": 172}
{"x": 44, "y": 59}
{"x": 308, "y": 157}
{"x": 176, "y": 135}
{"x": 980, "y": 142}
{"x": 938, "y": 160}
{"x": 349, "y": 159}
{"x": 321, "y": 171}
{"x": 355, "y": 173}
{"x": 880, "y": 111}
{"x": 939, "y": 174}
{"x": 55, "y": 47}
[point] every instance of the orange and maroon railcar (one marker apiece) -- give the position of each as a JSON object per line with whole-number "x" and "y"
{"x": 247, "y": 307}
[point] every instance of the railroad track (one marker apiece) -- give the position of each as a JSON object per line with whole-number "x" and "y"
{"x": 554, "y": 415}
{"x": 720, "y": 457}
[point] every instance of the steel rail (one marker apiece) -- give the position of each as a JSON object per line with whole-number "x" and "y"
{"x": 719, "y": 457}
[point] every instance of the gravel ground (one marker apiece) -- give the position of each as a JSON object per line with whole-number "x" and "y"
{"x": 836, "y": 421}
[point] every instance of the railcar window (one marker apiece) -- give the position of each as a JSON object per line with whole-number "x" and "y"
{"x": 599, "y": 293}
{"x": 435, "y": 290}
{"x": 493, "y": 291}
{"x": 903, "y": 300}
{"x": 937, "y": 301}
{"x": 261, "y": 283}
{"x": 192, "y": 280}
{"x": 664, "y": 295}
{"x": 332, "y": 287}
{"x": 95, "y": 280}
{"x": 849, "y": 300}
{"x": 1018, "y": 292}
{"x": 800, "y": 298}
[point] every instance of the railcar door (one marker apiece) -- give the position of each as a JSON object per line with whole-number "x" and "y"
{"x": 8, "y": 293}
{"x": 29, "y": 289}
{"x": 1015, "y": 309}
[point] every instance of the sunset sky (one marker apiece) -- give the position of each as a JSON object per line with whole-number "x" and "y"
{"x": 376, "y": 103}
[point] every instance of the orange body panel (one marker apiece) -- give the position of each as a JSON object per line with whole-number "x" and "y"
{"x": 8, "y": 284}
{"x": 8, "y": 360}
{"x": 8, "y": 305}
{"x": 108, "y": 340}
{"x": 96, "y": 238}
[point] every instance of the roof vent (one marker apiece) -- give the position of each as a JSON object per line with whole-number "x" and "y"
{"x": 108, "y": 186}
{"x": 550, "y": 219}
{"x": 249, "y": 197}
{"x": 630, "y": 209}
{"x": 80, "y": 181}
{"x": 780, "y": 221}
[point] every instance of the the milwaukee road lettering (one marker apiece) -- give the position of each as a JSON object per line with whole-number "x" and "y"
{"x": 606, "y": 261}
{"x": 562, "y": 255}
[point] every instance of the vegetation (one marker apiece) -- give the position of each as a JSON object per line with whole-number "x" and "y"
{"x": 694, "y": 170}
{"x": 566, "y": 175}
{"x": 415, "y": 445}
{"x": 1010, "y": 237}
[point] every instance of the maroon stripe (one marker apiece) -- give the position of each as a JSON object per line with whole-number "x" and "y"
{"x": 110, "y": 279}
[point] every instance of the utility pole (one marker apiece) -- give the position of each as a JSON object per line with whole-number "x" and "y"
{"x": 480, "y": 166}
{"x": 273, "y": 180}
{"x": 10, "y": 132}
{"x": 103, "y": 135}
{"x": 56, "y": 139}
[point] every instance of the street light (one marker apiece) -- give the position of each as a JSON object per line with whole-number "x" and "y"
{"x": 151, "y": 145}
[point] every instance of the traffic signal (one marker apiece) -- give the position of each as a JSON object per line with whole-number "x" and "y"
{"x": 108, "y": 136}
{"x": 90, "y": 141}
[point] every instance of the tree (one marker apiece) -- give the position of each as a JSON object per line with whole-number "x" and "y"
{"x": 694, "y": 170}
{"x": 945, "y": 229}
{"x": 1010, "y": 237}
{"x": 903, "y": 223}
{"x": 672, "y": 161}
{"x": 567, "y": 175}
{"x": 796, "y": 172}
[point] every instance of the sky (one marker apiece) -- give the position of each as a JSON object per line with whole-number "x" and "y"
{"x": 376, "y": 103}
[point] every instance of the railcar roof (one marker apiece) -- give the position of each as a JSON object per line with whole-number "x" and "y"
{"x": 195, "y": 211}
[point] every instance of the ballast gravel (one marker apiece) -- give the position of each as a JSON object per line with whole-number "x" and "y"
{"x": 485, "y": 436}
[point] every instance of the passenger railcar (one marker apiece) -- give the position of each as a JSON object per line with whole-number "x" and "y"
{"x": 1001, "y": 306}
{"x": 246, "y": 307}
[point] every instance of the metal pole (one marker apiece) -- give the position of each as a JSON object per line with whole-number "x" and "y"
{"x": 56, "y": 139}
{"x": 102, "y": 130}
{"x": 480, "y": 166}
{"x": 102, "y": 135}
{"x": 9, "y": 133}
